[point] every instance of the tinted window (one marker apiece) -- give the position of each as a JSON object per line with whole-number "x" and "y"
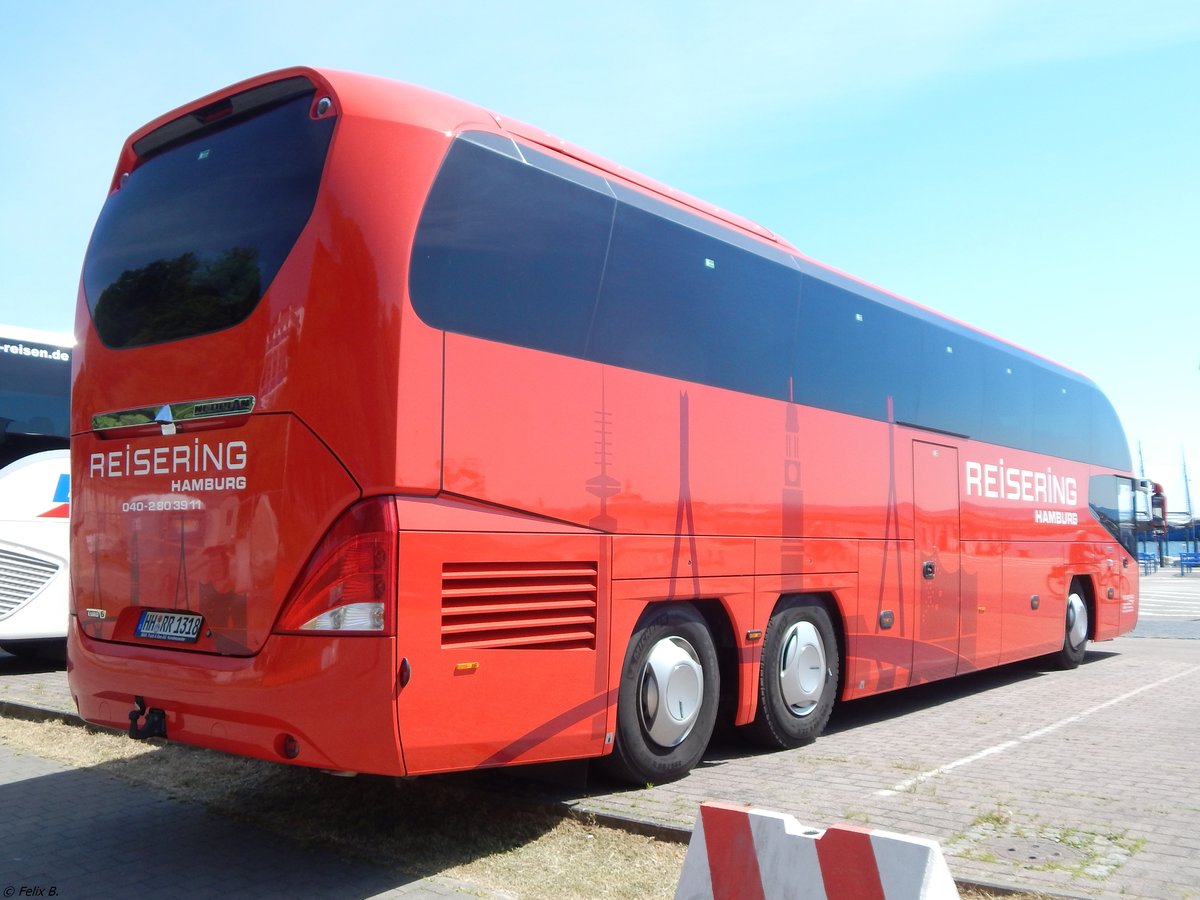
{"x": 1008, "y": 399}
{"x": 197, "y": 232}
{"x": 1109, "y": 446}
{"x": 35, "y": 384}
{"x": 856, "y": 354}
{"x": 678, "y": 302}
{"x": 507, "y": 252}
{"x": 951, "y": 381}
{"x": 520, "y": 247}
{"x": 1112, "y": 503}
{"x": 1062, "y": 419}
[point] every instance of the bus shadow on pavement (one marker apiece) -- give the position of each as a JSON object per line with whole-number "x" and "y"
{"x": 193, "y": 823}
{"x": 728, "y": 746}
{"x": 882, "y": 707}
{"x": 81, "y": 832}
{"x": 28, "y": 665}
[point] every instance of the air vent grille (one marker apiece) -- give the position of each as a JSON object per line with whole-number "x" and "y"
{"x": 525, "y": 606}
{"x": 21, "y": 577}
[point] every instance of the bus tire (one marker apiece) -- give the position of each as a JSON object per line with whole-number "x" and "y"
{"x": 798, "y": 678}
{"x": 1075, "y": 634}
{"x": 667, "y": 699}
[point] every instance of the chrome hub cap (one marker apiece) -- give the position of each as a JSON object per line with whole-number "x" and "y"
{"x": 1077, "y": 621}
{"x": 671, "y": 691}
{"x": 802, "y": 668}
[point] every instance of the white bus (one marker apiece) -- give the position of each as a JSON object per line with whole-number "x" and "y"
{"x": 35, "y": 489}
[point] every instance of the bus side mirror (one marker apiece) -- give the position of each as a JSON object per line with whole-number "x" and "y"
{"x": 1158, "y": 510}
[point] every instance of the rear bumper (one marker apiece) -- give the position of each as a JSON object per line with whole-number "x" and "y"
{"x": 336, "y": 697}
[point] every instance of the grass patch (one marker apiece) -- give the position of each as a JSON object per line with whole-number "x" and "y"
{"x": 1036, "y": 846}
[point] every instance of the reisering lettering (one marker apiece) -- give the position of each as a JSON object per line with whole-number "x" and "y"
{"x": 178, "y": 459}
{"x": 995, "y": 481}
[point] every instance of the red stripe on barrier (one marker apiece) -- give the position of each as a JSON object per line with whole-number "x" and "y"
{"x": 848, "y": 865}
{"x": 732, "y": 859}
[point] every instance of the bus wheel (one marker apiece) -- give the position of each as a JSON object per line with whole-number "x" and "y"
{"x": 667, "y": 700}
{"x": 797, "y": 683}
{"x": 1075, "y": 637}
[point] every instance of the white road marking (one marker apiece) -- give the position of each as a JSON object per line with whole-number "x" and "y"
{"x": 1033, "y": 735}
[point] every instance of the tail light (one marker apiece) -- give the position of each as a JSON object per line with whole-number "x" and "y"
{"x": 349, "y": 584}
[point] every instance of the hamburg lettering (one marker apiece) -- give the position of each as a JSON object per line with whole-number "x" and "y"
{"x": 179, "y": 459}
{"x": 1055, "y": 517}
{"x": 193, "y": 485}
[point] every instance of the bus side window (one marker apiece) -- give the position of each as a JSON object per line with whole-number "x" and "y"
{"x": 681, "y": 303}
{"x": 510, "y": 253}
{"x": 1111, "y": 500}
{"x": 855, "y": 353}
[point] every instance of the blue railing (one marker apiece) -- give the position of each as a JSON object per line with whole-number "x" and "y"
{"x": 1188, "y": 560}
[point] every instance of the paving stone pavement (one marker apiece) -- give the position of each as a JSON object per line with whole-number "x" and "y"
{"x": 1079, "y": 783}
{"x": 1083, "y": 783}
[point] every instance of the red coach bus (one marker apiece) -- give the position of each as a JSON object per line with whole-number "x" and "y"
{"x": 408, "y": 439}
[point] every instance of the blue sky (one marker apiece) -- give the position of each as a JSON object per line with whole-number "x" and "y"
{"x": 1030, "y": 167}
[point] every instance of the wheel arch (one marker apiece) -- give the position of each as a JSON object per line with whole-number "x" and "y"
{"x": 804, "y": 635}
{"x": 1086, "y": 586}
{"x": 829, "y": 603}
{"x": 720, "y": 625}
{"x": 737, "y": 678}
{"x": 642, "y": 752}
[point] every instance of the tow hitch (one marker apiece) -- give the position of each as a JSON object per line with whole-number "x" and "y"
{"x": 156, "y": 721}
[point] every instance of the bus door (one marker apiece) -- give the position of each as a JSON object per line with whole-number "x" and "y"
{"x": 936, "y": 536}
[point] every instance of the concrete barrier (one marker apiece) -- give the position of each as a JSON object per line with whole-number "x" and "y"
{"x": 738, "y": 852}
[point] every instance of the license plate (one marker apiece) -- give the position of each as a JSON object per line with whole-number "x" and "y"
{"x": 169, "y": 626}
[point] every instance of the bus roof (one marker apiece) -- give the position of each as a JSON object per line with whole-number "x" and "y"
{"x": 368, "y": 95}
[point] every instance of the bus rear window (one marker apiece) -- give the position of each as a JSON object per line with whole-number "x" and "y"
{"x": 195, "y": 235}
